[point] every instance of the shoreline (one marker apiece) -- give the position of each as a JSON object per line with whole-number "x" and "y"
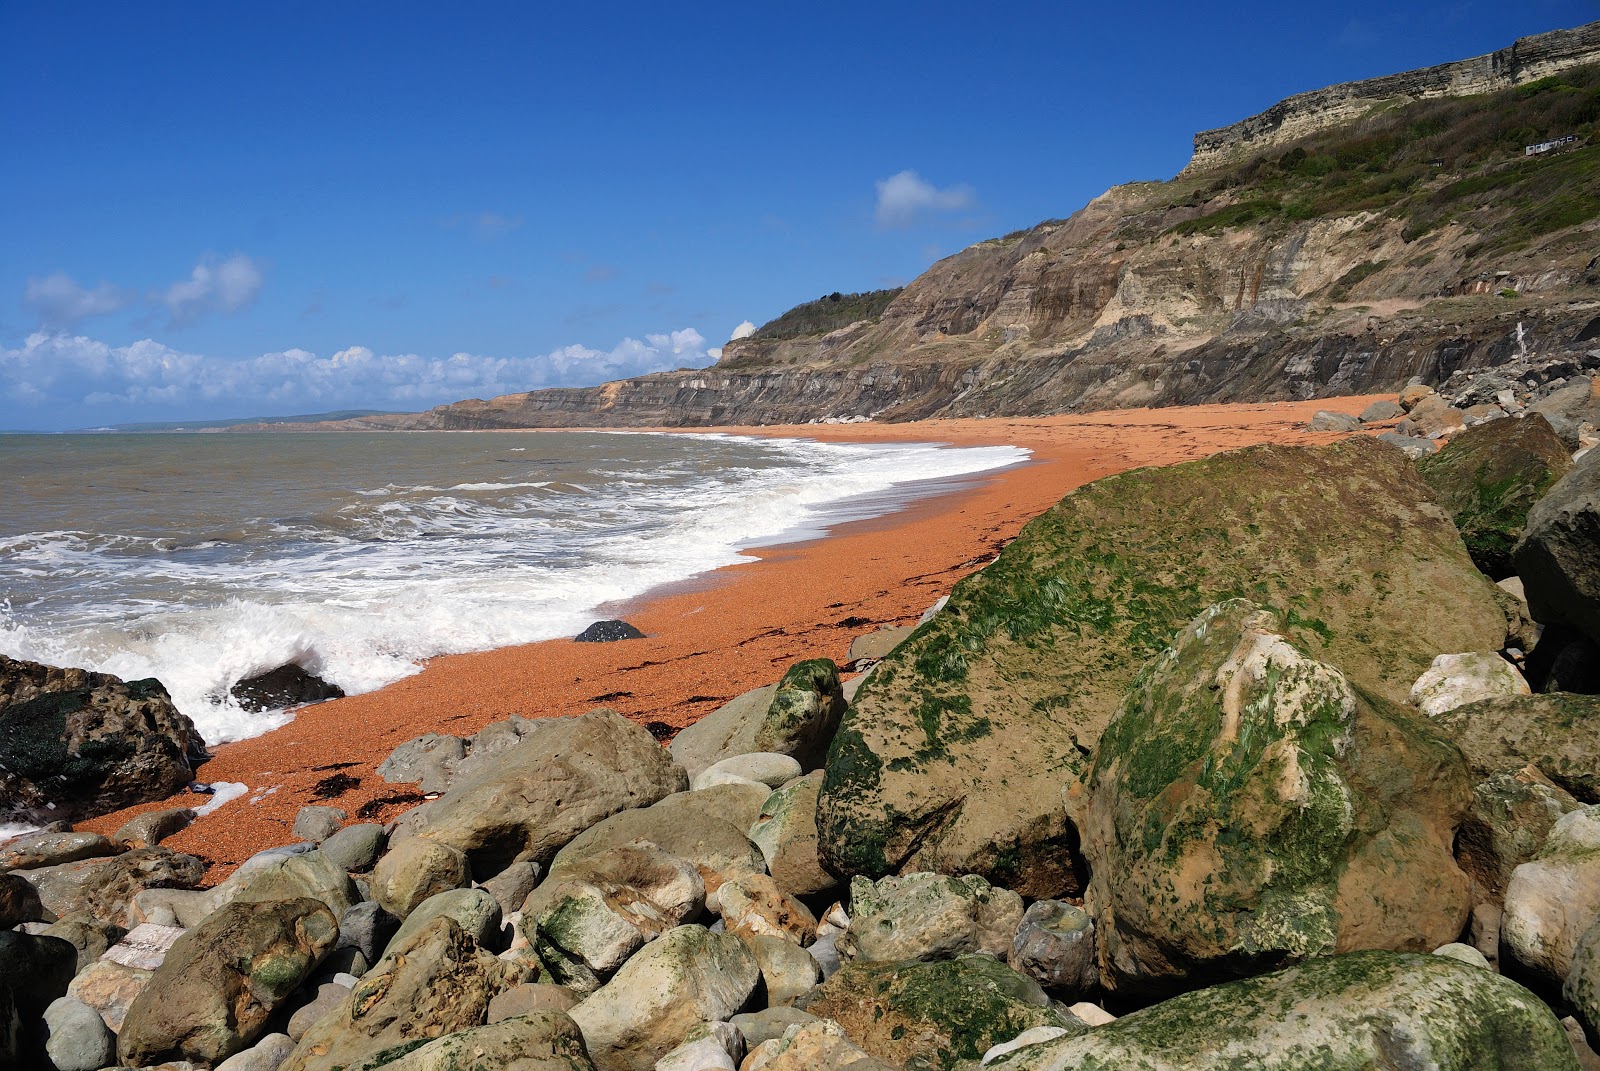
{"x": 714, "y": 636}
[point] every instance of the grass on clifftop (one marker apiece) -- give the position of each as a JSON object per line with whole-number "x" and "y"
{"x": 1431, "y": 163}
{"x": 828, "y": 313}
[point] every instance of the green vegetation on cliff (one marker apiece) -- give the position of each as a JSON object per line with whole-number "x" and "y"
{"x": 828, "y": 313}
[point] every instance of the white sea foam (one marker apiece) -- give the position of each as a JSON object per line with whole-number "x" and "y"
{"x": 362, "y": 593}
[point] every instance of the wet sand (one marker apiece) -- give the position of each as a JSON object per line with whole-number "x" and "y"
{"x": 710, "y": 639}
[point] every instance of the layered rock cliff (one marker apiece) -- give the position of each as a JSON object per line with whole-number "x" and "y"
{"x": 1293, "y": 260}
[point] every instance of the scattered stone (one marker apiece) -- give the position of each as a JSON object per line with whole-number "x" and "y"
{"x": 269, "y": 877}
{"x": 1380, "y": 411}
{"x": 90, "y": 937}
{"x": 563, "y": 776}
{"x": 928, "y": 916}
{"x": 265, "y": 1055}
{"x": 766, "y": 768}
{"x": 1553, "y": 900}
{"x": 1556, "y": 556}
{"x": 955, "y": 754}
{"x": 933, "y": 1015}
{"x": 531, "y": 997}
{"x": 1359, "y": 1010}
{"x": 413, "y": 870}
{"x": 53, "y": 849}
{"x": 429, "y": 760}
{"x": 1323, "y": 420}
{"x": 1055, "y": 947}
{"x": 317, "y": 824}
{"x": 700, "y": 1054}
{"x": 1489, "y": 477}
{"x": 1434, "y": 418}
{"x": 367, "y": 928}
{"x": 754, "y": 905}
{"x": 1414, "y": 393}
{"x": 355, "y": 848}
{"x": 1570, "y": 408}
{"x": 151, "y": 828}
{"x": 286, "y": 686}
{"x": 19, "y": 902}
{"x": 686, "y": 978}
{"x": 818, "y": 1045}
{"x": 330, "y": 995}
{"x": 769, "y": 1023}
{"x": 1458, "y": 679}
{"x": 474, "y": 910}
{"x": 786, "y": 833}
{"x": 685, "y": 824}
{"x": 1463, "y": 954}
{"x": 797, "y": 717}
{"x": 1342, "y": 811}
{"x": 788, "y": 972}
{"x": 213, "y": 992}
{"x": 608, "y": 632}
{"x": 1414, "y": 447}
{"x": 79, "y": 1039}
{"x": 76, "y": 744}
{"x": 511, "y": 886}
{"x": 437, "y": 983}
{"x": 1557, "y": 733}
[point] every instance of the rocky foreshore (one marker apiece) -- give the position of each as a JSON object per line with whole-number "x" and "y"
{"x": 1284, "y": 758}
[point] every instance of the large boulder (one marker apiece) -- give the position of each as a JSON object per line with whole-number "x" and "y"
{"x": 957, "y": 750}
{"x": 75, "y": 744}
{"x": 690, "y": 825}
{"x": 437, "y": 983}
{"x": 1454, "y": 680}
{"x": 562, "y": 776}
{"x": 931, "y": 1016}
{"x": 795, "y": 717}
{"x": 105, "y": 888}
{"x": 1558, "y": 733}
{"x": 414, "y": 870}
{"x": 1511, "y": 817}
{"x": 277, "y": 876}
{"x": 676, "y": 984}
{"x": 1553, "y": 900}
{"x": 929, "y": 916}
{"x": 212, "y": 995}
{"x": 1570, "y": 408}
{"x": 1489, "y": 477}
{"x": 538, "y": 1041}
{"x": 1556, "y": 556}
{"x": 53, "y": 849}
{"x": 786, "y": 833}
{"x": 1355, "y": 1012}
{"x": 1250, "y": 807}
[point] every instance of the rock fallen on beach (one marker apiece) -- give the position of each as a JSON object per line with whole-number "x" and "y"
{"x": 287, "y": 686}
{"x": 608, "y": 632}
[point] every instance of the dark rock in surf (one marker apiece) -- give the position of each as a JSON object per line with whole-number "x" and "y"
{"x": 286, "y": 686}
{"x": 609, "y": 632}
{"x": 88, "y": 743}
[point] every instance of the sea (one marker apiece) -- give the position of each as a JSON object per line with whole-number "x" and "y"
{"x": 205, "y": 559}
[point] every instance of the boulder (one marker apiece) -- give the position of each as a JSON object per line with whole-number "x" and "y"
{"x": 753, "y": 905}
{"x": 437, "y": 983}
{"x": 539, "y": 1041}
{"x": 287, "y": 686}
{"x": 78, "y": 1039}
{"x": 512, "y": 885}
{"x": 928, "y": 916}
{"x": 1055, "y": 947}
{"x": 769, "y": 1023}
{"x": 1510, "y": 819}
{"x": 1463, "y": 954}
{"x": 474, "y": 910}
{"x": 1553, "y": 900}
{"x": 151, "y": 828}
{"x": 1350, "y": 1012}
{"x": 75, "y": 744}
{"x": 1489, "y": 477}
{"x": 104, "y": 888}
{"x": 765, "y": 768}
{"x": 1323, "y": 420}
{"x": 272, "y": 876}
{"x": 934, "y": 1015}
{"x": 110, "y": 988}
{"x": 686, "y": 978}
{"x": 818, "y": 1045}
{"x": 219, "y": 982}
{"x": 355, "y": 848}
{"x": 90, "y": 937}
{"x": 1380, "y": 411}
{"x": 265, "y": 1055}
{"x": 563, "y": 776}
{"x": 53, "y": 849}
{"x": 1434, "y": 418}
{"x": 875, "y": 645}
{"x": 1557, "y": 733}
{"x": 699, "y": 1054}
{"x": 19, "y": 902}
{"x": 531, "y": 997}
{"x": 40, "y": 968}
{"x": 1412, "y": 446}
{"x": 786, "y": 833}
{"x": 797, "y": 717}
{"x": 1250, "y": 808}
{"x": 413, "y": 870}
{"x": 956, "y": 752}
{"x": 1556, "y": 559}
{"x": 430, "y": 760}
{"x": 686, "y": 824}
{"x": 608, "y": 632}
{"x": 317, "y": 824}
{"x": 329, "y": 996}
{"x": 366, "y": 928}
{"x": 1414, "y": 393}
{"x": 788, "y": 972}
{"x": 1570, "y": 408}
{"x": 1458, "y": 679}
{"x": 1582, "y": 987}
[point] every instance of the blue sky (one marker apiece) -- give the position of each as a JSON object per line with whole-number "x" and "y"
{"x": 218, "y": 210}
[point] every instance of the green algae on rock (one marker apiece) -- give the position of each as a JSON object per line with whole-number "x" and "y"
{"x": 1249, "y": 808}
{"x": 959, "y": 750}
{"x": 1351, "y": 1012}
{"x": 1559, "y": 733}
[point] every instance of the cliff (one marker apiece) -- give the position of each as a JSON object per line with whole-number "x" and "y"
{"x": 1306, "y": 260}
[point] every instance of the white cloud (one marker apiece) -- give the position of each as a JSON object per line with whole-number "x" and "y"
{"x": 65, "y": 371}
{"x": 61, "y": 303}
{"x": 744, "y": 330}
{"x": 905, "y": 196}
{"x": 224, "y": 286}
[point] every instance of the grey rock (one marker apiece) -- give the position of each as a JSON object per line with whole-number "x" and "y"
{"x": 798, "y": 716}
{"x": 474, "y": 910}
{"x": 317, "y": 824}
{"x": 530, "y": 997}
{"x": 875, "y": 645}
{"x": 1414, "y": 446}
{"x": 355, "y": 847}
{"x": 787, "y": 971}
{"x": 78, "y": 1038}
{"x": 151, "y": 828}
{"x": 330, "y": 996}
{"x": 786, "y": 833}
{"x": 1323, "y": 420}
{"x": 282, "y": 876}
{"x": 1556, "y": 556}
{"x": 924, "y": 916}
{"x": 1568, "y": 409}
{"x": 512, "y": 885}
{"x": 90, "y": 937}
{"x": 1380, "y": 411}
{"x": 764, "y": 767}
{"x": 104, "y": 888}
{"x": 53, "y": 849}
{"x": 540, "y": 1041}
{"x": 367, "y": 928}
{"x": 413, "y": 870}
{"x": 265, "y": 1055}
{"x": 429, "y": 759}
{"x": 769, "y": 1023}
{"x": 1553, "y": 900}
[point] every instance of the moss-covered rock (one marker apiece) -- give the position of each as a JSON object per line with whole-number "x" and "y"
{"x": 1355, "y": 1012}
{"x": 1489, "y": 476}
{"x": 795, "y": 717}
{"x": 545, "y": 1040}
{"x": 957, "y": 751}
{"x": 1558, "y": 732}
{"x": 926, "y": 1016}
{"x": 1511, "y": 817}
{"x": 1556, "y": 556}
{"x": 1249, "y": 808}
{"x": 929, "y": 916}
{"x": 1582, "y": 987}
